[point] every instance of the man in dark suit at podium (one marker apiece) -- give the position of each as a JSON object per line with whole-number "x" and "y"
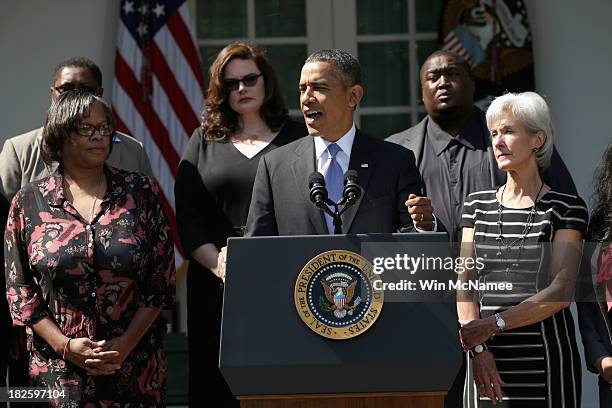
{"x": 330, "y": 90}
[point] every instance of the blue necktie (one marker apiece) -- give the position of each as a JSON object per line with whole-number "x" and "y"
{"x": 333, "y": 181}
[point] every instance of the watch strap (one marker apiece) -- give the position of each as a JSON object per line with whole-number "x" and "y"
{"x": 473, "y": 353}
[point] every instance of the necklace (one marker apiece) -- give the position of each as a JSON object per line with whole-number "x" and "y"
{"x": 507, "y": 246}
{"x": 66, "y": 185}
{"x": 93, "y": 207}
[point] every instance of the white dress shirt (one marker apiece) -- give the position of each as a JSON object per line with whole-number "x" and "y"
{"x": 343, "y": 157}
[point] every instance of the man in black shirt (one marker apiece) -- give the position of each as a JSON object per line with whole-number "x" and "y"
{"x": 452, "y": 145}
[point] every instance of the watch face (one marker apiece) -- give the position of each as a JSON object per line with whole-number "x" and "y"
{"x": 478, "y": 348}
{"x": 499, "y": 322}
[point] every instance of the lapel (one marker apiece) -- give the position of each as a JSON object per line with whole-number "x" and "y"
{"x": 416, "y": 139}
{"x": 115, "y": 154}
{"x": 363, "y": 152}
{"x": 303, "y": 165}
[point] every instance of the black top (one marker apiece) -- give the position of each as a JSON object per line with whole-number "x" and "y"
{"x": 214, "y": 185}
{"x": 452, "y": 167}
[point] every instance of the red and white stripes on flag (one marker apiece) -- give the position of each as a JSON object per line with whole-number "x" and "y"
{"x": 158, "y": 86}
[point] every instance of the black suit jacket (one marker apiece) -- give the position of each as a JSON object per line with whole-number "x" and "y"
{"x": 280, "y": 204}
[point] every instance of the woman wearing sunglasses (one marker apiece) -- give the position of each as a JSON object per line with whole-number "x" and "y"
{"x": 89, "y": 267}
{"x": 244, "y": 118}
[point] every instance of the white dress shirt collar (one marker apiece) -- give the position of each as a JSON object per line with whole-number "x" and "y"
{"x": 343, "y": 157}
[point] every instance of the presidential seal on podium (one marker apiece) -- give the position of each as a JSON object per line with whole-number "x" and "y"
{"x": 335, "y": 295}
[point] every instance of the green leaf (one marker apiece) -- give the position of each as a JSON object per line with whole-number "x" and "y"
{"x": 324, "y": 304}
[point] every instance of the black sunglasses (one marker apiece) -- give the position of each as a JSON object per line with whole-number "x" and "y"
{"x": 247, "y": 80}
{"x": 71, "y": 87}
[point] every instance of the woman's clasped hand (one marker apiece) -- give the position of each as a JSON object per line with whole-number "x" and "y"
{"x": 91, "y": 356}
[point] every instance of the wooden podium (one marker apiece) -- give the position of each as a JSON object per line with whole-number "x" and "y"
{"x": 355, "y": 400}
{"x": 271, "y": 359}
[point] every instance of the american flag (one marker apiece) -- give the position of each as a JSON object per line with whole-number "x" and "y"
{"x": 158, "y": 86}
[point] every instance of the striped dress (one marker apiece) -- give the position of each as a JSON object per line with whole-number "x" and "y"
{"x": 539, "y": 363}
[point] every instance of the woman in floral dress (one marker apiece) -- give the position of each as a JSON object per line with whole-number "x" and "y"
{"x": 89, "y": 267}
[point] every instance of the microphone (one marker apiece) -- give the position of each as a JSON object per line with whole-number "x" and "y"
{"x": 352, "y": 191}
{"x": 318, "y": 192}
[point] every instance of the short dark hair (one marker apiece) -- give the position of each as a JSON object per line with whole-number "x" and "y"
{"x": 62, "y": 118}
{"x": 219, "y": 119}
{"x": 79, "y": 62}
{"x": 345, "y": 66}
{"x": 450, "y": 54}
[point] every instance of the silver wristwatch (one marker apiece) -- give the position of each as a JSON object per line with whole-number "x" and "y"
{"x": 478, "y": 349}
{"x": 500, "y": 322}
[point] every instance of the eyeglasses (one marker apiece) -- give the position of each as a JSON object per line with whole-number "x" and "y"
{"x": 247, "y": 80}
{"x": 71, "y": 87}
{"x": 88, "y": 130}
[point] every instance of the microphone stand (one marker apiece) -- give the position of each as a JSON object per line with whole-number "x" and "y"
{"x": 319, "y": 196}
{"x": 336, "y": 212}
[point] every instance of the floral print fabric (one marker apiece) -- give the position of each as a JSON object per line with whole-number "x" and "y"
{"x": 90, "y": 279}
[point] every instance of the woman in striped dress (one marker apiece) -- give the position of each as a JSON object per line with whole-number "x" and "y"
{"x": 521, "y": 340}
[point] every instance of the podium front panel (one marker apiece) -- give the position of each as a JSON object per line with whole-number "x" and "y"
{"x": 267, "y": 349}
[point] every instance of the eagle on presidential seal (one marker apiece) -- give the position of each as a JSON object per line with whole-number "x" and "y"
{"x": 339, "y": 291}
